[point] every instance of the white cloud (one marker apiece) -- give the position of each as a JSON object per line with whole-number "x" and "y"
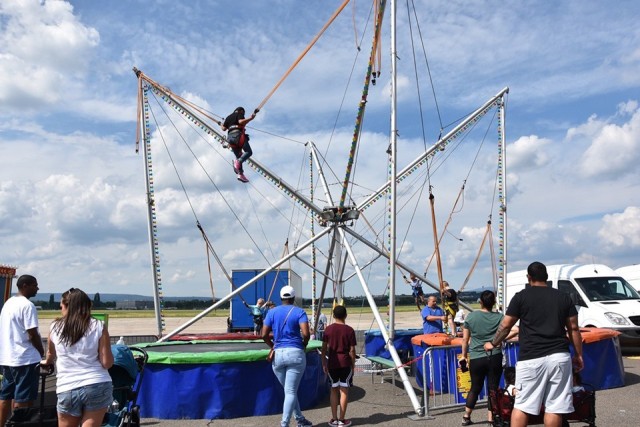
{"x": 628, "y": 108}
{"x": 527, "y": 153}
{"x": 622, "y": 230}
{"x": 238, "y": 254}
{"x": 73, "y": 201}
{"x": 614, "y": 150}
{"x": 44, "y": 50}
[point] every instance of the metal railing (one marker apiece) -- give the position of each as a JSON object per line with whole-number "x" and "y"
{"x": 443, "y": 386}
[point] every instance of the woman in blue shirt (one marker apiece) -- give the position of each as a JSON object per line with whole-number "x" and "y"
{"x": 290, "y": 327}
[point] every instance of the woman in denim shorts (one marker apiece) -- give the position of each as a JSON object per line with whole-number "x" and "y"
{"x": 80, "y": 347}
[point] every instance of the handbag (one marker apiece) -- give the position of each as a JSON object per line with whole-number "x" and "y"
{"x": 272, "y": 351}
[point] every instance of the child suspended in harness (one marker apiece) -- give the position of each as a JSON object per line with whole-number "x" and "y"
{"x": 416, "y": 289}
{"x": 450, "y": 302}
{"x": 238, "y": 140}
{"x": 257, "y": 312}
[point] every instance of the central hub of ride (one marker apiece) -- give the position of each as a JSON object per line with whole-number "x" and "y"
{"x": 336, "y": 215}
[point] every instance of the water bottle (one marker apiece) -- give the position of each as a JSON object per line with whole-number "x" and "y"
{"x": 120, "y": 342}
{"x": 115, "y": 406}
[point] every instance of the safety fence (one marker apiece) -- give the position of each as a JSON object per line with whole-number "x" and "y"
{"x": 437, "y": 367}
{"x": 447, "y": 383}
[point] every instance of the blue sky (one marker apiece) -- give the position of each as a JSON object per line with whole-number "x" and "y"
{"x": 72, "y": 197}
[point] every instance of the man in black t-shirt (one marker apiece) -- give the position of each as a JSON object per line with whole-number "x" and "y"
{"x": 544, "y": 368}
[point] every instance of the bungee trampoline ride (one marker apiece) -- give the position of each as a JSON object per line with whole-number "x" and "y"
{"x": 352, "y": 228}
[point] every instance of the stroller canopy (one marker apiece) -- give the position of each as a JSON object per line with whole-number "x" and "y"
{"x": 123, "y": 358}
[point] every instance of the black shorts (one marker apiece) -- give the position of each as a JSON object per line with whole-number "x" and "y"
{"x": 341, "y": 377}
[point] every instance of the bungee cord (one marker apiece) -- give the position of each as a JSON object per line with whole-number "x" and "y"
{"x": 304, "y": 52}
{"x": 344, "y": 93}
{"x": 426, "y": 60}
{"x": 430, "y": 161}
{"x": 233, "y": 212}
{"x": 460, "y": 196}
{"x": 363, "y": 101}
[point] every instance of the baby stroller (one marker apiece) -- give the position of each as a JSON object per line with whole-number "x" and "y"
{"x": 126, "y": 375}
{"x": 584, "y": 409}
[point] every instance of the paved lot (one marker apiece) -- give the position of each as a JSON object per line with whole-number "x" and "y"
{"x": 375, "y": 404}
{"x": 148, "y": 326}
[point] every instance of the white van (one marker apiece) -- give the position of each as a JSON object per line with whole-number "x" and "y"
{"x": 631, "y": 274}
{"x": 602, "y": 297}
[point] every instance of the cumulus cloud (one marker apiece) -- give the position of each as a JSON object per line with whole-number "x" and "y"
{"x": 73, "y": 200}
{"x": 43, "y": 50}
{"x": 238, "y": 254}
{"x": 628, "y": 108}
{"x": 527, "y": 153}
{"x": 614, "y": 149}
{"x": 622, "y": 230}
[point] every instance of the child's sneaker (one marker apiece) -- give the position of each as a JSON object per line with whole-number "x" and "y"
{"x": 237, "y": 166}
{"x": 344, "y": 423}
{"x": 242, "y": 178}
{"x": 303, "y": 422}
{"x": 334, "y": 422}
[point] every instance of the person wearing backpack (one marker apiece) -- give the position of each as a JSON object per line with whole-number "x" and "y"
{"x": 238, "y": 140}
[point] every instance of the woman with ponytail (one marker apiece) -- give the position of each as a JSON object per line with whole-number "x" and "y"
{"x": 80, "y": 347}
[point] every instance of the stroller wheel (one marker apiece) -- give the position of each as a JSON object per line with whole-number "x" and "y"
{"x": 135, "y": 416}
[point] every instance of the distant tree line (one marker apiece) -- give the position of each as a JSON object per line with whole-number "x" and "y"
{"x": 382, "y": 300}
{"x": 186, "y": 304}
{"x": 192, "y": 304}
{"x": 52, "y": 304}
{"x": 201, "y": 304}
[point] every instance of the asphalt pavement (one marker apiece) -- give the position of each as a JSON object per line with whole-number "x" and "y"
{"x": 373, "y": 403}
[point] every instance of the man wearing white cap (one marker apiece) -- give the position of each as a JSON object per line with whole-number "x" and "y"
{"x": 290, "y": 327}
